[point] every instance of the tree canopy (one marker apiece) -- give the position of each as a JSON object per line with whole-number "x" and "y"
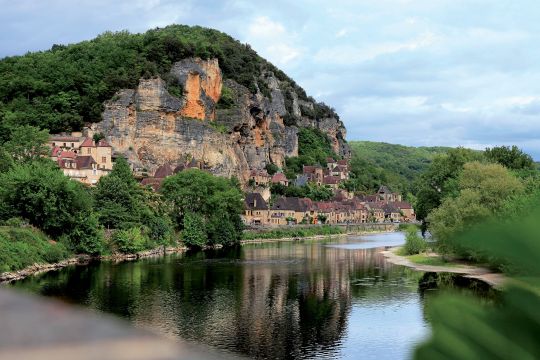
{"x": 201, "y": 202}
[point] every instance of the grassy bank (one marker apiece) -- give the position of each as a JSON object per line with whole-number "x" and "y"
{"x": 25, "y": 246}
{"x": 426, "y": 259}
{"x": 292, "y": 232}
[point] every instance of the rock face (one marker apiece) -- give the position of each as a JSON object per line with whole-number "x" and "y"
{"x": 151, "y": 127}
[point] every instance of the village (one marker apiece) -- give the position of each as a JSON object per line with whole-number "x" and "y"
{"x": 86, "y": 159}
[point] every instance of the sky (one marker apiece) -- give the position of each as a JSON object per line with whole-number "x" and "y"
{"x": 413, "y": 72}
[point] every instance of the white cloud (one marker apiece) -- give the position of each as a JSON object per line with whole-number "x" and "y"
{"x": 349, "y": 54}
{"x": 341, "y": 33}
{"x": 272, "y": 40}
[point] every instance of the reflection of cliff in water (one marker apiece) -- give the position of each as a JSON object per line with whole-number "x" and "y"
{"x": 267, "y": 301}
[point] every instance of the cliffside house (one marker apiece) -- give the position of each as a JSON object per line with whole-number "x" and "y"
{"x": 332, "y": 181}
{"x": 256, "y": 210}
{"x": 80, "y": 157}
{"x": 280, "y": 178}
{"x": 259, "y": 177}
{"x": 384, "y": 194}
{"x": 314, "y": 174}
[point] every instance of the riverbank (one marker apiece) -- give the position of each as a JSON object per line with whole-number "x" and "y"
{"x": 82, "y": 260}
{"x": 474, "y": 272}
{"x": 262, "y": 240}
{"x": 36, "y": 269}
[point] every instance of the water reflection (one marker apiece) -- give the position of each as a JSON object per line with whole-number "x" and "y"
{"x": 276, "y": 301}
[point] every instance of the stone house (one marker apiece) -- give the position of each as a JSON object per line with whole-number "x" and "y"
{"x": 332, "y": 181}
{"x": 286, "y": 210}
{"x": 255, "y": 210}
{"x": 100, "y": 151}
{"x": 314, "y": 174}
{"x": 260, "y": 177}
{"x": 280, "y": 178}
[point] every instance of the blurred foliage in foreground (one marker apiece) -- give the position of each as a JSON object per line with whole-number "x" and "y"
{"x": 464, "y": 329}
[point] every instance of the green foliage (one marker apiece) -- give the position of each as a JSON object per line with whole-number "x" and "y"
{"x": 129, "y": 241}
{"x": 397, "y": 166}
{"x": 27, "y": 143}
{"x": 227, "y": 99}
{"x": 482, "y": 191}
{"x": 414, "y": 244}
{"x": 510, "y": 157}
{"x": 22, "y": 247}
{"x": 464, "y": 329}
{"x": 215, "y": 200}
{"x": 60, "y": 207}
{"x": 121, "y": 203}
{"x": 314, "y": 146}
{"x": 194, "y": 230}
{"x": 440, "y": 179}
{"x": 293, "y": 232}
{"x": 97, "y": 137}
{"x": 65, "y": 87}
{"x": 271, "y": 168}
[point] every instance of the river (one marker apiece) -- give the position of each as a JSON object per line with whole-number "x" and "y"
{"x": 311, "y": 299}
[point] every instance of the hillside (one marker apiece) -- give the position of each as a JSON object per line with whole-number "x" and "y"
{"x": 167, "y": 96}
{"x": 398, "y": 166}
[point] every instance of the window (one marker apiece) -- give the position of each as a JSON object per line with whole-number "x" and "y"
{"x": 64, "y": 144}
{"x": 53, "y": 144}
{"x": 88, "y": 151}
{"x": 103, "y": 159}
{"x": 72, "y": 145}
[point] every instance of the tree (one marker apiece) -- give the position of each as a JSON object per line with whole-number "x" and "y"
{"x": 271, "y": 168}
{"x": 122, "y": 203}
{"x": 439, "y": 181}
{"x": 482, "y": 191}
{"x": 509, "y": 329}
{"x": 27, "y": 143}
{"x": 194, "y": 233}
{"x": 510, "y": 157}
{"x": 62, "y": 208}
{"x": 215, "y": 200}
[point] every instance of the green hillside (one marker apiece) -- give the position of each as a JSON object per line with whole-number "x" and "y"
{"x": 62, "y": 88}
{"x": 398, "y": 166}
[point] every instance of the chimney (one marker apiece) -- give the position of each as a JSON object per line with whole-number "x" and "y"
{"x": 254, "y": 202}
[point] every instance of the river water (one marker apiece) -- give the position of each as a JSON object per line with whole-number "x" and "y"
{"x": 329, "y": 299}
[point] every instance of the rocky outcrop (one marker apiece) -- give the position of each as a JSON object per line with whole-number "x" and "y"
{"x": 151, "y": 127}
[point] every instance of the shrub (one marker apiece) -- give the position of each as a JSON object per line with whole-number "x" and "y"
{"x": 22, "y": 247}
{"x": 129, "y": 241}
{"x": 414, "y": 244}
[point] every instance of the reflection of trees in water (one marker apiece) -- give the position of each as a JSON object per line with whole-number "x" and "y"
{"x": 431, "y": 285}
{"x": 277, "y": 301}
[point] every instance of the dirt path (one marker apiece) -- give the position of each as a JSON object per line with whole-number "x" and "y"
{"x": 474, "y": 272}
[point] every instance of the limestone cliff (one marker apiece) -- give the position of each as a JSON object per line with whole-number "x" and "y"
{"x": 152, "y": 127}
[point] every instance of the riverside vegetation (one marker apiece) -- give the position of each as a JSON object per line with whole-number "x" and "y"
{"x": 46, "y": 217}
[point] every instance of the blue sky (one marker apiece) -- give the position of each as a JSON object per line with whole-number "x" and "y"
{"x": 414, "y": 72}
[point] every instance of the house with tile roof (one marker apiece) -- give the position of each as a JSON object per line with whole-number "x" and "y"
{"x": 280, "y": 178}
{"x": 80, "y": 157}
{"x": 255, "y": 210}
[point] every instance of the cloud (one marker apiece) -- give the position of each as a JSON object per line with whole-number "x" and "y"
{"x": 418, "y": 72}
{"x": 272, "y": 40}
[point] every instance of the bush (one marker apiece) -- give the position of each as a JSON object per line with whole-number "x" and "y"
{"x": 129, "y": 241}
{"x": 414, "y": 244}
{"x": 194, "y": 233}
{"x": 22, "y": 247}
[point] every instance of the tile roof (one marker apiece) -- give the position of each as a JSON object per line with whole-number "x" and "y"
{"x": 279, "y": 177}
{"x": 152, "y": 182}
{"x": 65, "y": 138}
{"x": 163, "y": 171}
{"x": 342, "y": 162}
{"x": 87, "y": 142}
{"x": 292, "y": 203}
{"x": 331, "y": 180}
{"x": 402, "y": 205}
{"x": 255, "y": 201}
{"x": 67, "y": 155}
{"x": 85, "y": 162}
{"x": 103, "y": 143}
